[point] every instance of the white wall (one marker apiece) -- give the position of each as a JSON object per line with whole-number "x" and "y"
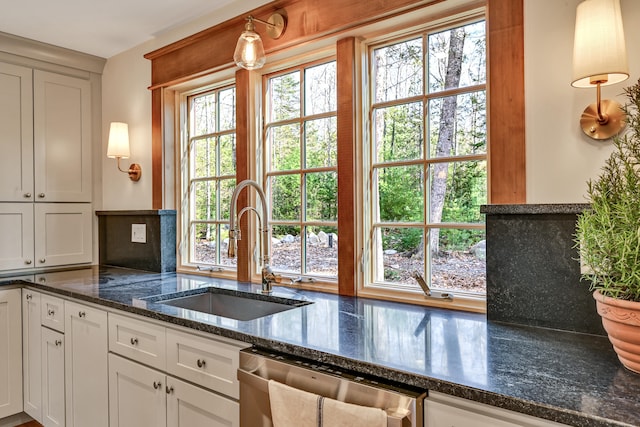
{"x": 560, "y": 158}
{"x": 125, "y": 97}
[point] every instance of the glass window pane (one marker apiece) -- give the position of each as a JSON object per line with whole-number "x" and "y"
{"x": 457, "y": 57}
{"x": 320, "y": 89}
{"x": 284, "y": 142}
{"x": 458, "y": 125}
{"x": 321, "y": 143}
{"x": 226, "y": 191}
{"x": 398, "y": 71}
{"x": 283, "y": 98}
{"x": 459, "y": 264}
{"x": 286, "y": 249}
{"x": 204, "y": 200}
{"x": 204, "y": 237}
{"x": 457, "y": 189}
{"x": 398, "y": 132}
{"x": 203, "y": 115}
{"x": 322, "y": 251}
{"x": 285, "y": 194}
{"x": 203, "y": 158}
{"x": 227, "y": 155}
{"x": 227, "y": 109}
{"x": 400, "y": 193}
{"x": 399, "y": 253}
{"x": 224, "y": 246}
{"x": 322, "y": 196}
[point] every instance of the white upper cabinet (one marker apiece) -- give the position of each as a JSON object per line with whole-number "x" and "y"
{"x": 16, "y": 229}
{"x": 16, "y": 133}
{"x": 62, "y": 138}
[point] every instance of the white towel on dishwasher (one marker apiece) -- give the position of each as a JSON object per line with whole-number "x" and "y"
{"x": 341, "y": 414}
{"x": 291, "y": 407}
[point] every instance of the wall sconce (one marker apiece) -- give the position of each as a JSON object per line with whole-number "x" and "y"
{"x": 600, "y": 59}
{"x": 249, "y": 53}
{"x": 118, "y": 148}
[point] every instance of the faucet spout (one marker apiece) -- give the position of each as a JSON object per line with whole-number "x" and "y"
{"x": 268, "y": 277}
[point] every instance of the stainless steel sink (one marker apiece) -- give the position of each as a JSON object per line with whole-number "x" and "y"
{"x": 228, "y": 303}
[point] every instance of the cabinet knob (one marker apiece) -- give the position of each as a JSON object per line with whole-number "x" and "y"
{"x": 41, "y": 195}
{"x": 169, "y": 390}
{"x": 42, "y": 260}
{"x": 28, "y": 262}
{"x": 58, "y": 343}
{"x": 29, "y": 296}
{"x": 134, "y": 341}
{"x": 157, "y": 385}
{"x": 201, "y": 363}
{"x": 51, "y": 312}
{"x": 81, "y": 314}
{"x": 27, "y": 195}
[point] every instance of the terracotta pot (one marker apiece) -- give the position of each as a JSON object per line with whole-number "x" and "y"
{"x": 621, "y": 320}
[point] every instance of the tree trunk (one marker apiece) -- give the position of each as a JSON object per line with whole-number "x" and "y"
{"x": 446, "y": 134}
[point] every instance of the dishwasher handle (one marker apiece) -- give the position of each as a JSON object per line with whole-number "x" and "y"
{"x": 262, "y": 384}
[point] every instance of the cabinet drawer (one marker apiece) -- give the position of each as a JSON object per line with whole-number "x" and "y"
{"x": 52, "y": 312}
{"x": 138, "y": 340}
{"x": 210, "y": 363}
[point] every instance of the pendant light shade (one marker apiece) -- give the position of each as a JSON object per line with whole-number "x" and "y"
{"x": 249, "y": 53}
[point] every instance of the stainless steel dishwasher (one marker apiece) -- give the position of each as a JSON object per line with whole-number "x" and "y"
{"x": 402, "y": 404}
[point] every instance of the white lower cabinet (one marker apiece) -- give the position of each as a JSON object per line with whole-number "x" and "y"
{"x": 441, "y": 410}
{"x": 10, "y": 353}
{"x": 86, "y": 368}
{"x": 53, "y": 402}
{"x": 32, "y": 353}
{"x": 142, "y": 396}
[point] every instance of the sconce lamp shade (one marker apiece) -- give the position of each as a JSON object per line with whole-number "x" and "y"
{"x": 249, "y": 53}
{"x": 599, "y": 51}
{"x": 118, "y": 145}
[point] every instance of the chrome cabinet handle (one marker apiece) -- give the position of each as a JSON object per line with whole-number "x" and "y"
{"x": 157, "y": 385}
{"x": 134, "y": 341}
{"x": 41, "y": 195}
{"x": 81, "y": 314}
{"x": 51, "y": 312}
{"x": 27, "y": 195}
{"x": 42, "y": 260}
{"x": 29, "y": 296}
{"x": 58, "y": 343}
{"x": 28, "y": 262}
{"x": 169, "y": 390}
{"x": 201, "y": 363}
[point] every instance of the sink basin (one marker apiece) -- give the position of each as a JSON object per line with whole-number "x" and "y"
{"x": 228, "y": 303}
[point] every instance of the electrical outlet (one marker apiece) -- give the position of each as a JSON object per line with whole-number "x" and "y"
{"x": 139, "y": 233}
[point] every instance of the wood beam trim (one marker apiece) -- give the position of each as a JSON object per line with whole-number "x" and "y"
{"x": 346, "y": 125}
{"x": 507, "y": 150}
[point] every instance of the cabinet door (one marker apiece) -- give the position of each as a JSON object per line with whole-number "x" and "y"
{"x": 62, "y": 138}
{"x": 31, "y": 353}
{"x": 191, "y": 406}
{"x": 136, "y": 394}
{"x": 53, "y": 410}
{"x": 16, "y": 229}
{"x": 63, "y": 234}
{"x": 16, "y": 133}
{"x": 10, "y": 353}
{"x": 85, "y": 364}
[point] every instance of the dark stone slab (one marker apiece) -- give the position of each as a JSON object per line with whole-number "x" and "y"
{"x": 533, "y": 273}
{"x": 158, "y": 254}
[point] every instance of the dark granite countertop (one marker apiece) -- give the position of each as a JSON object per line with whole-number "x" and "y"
{"x": 569, "y": 378}
{"x": 535, "y": 209}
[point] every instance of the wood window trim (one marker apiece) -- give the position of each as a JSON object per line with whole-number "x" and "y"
{"x": 192, "y": 58}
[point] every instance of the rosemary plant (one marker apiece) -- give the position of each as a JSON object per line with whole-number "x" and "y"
{"x": 608, "y": 234}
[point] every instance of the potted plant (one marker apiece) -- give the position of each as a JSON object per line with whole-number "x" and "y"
{"x": 608, "y": 238}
